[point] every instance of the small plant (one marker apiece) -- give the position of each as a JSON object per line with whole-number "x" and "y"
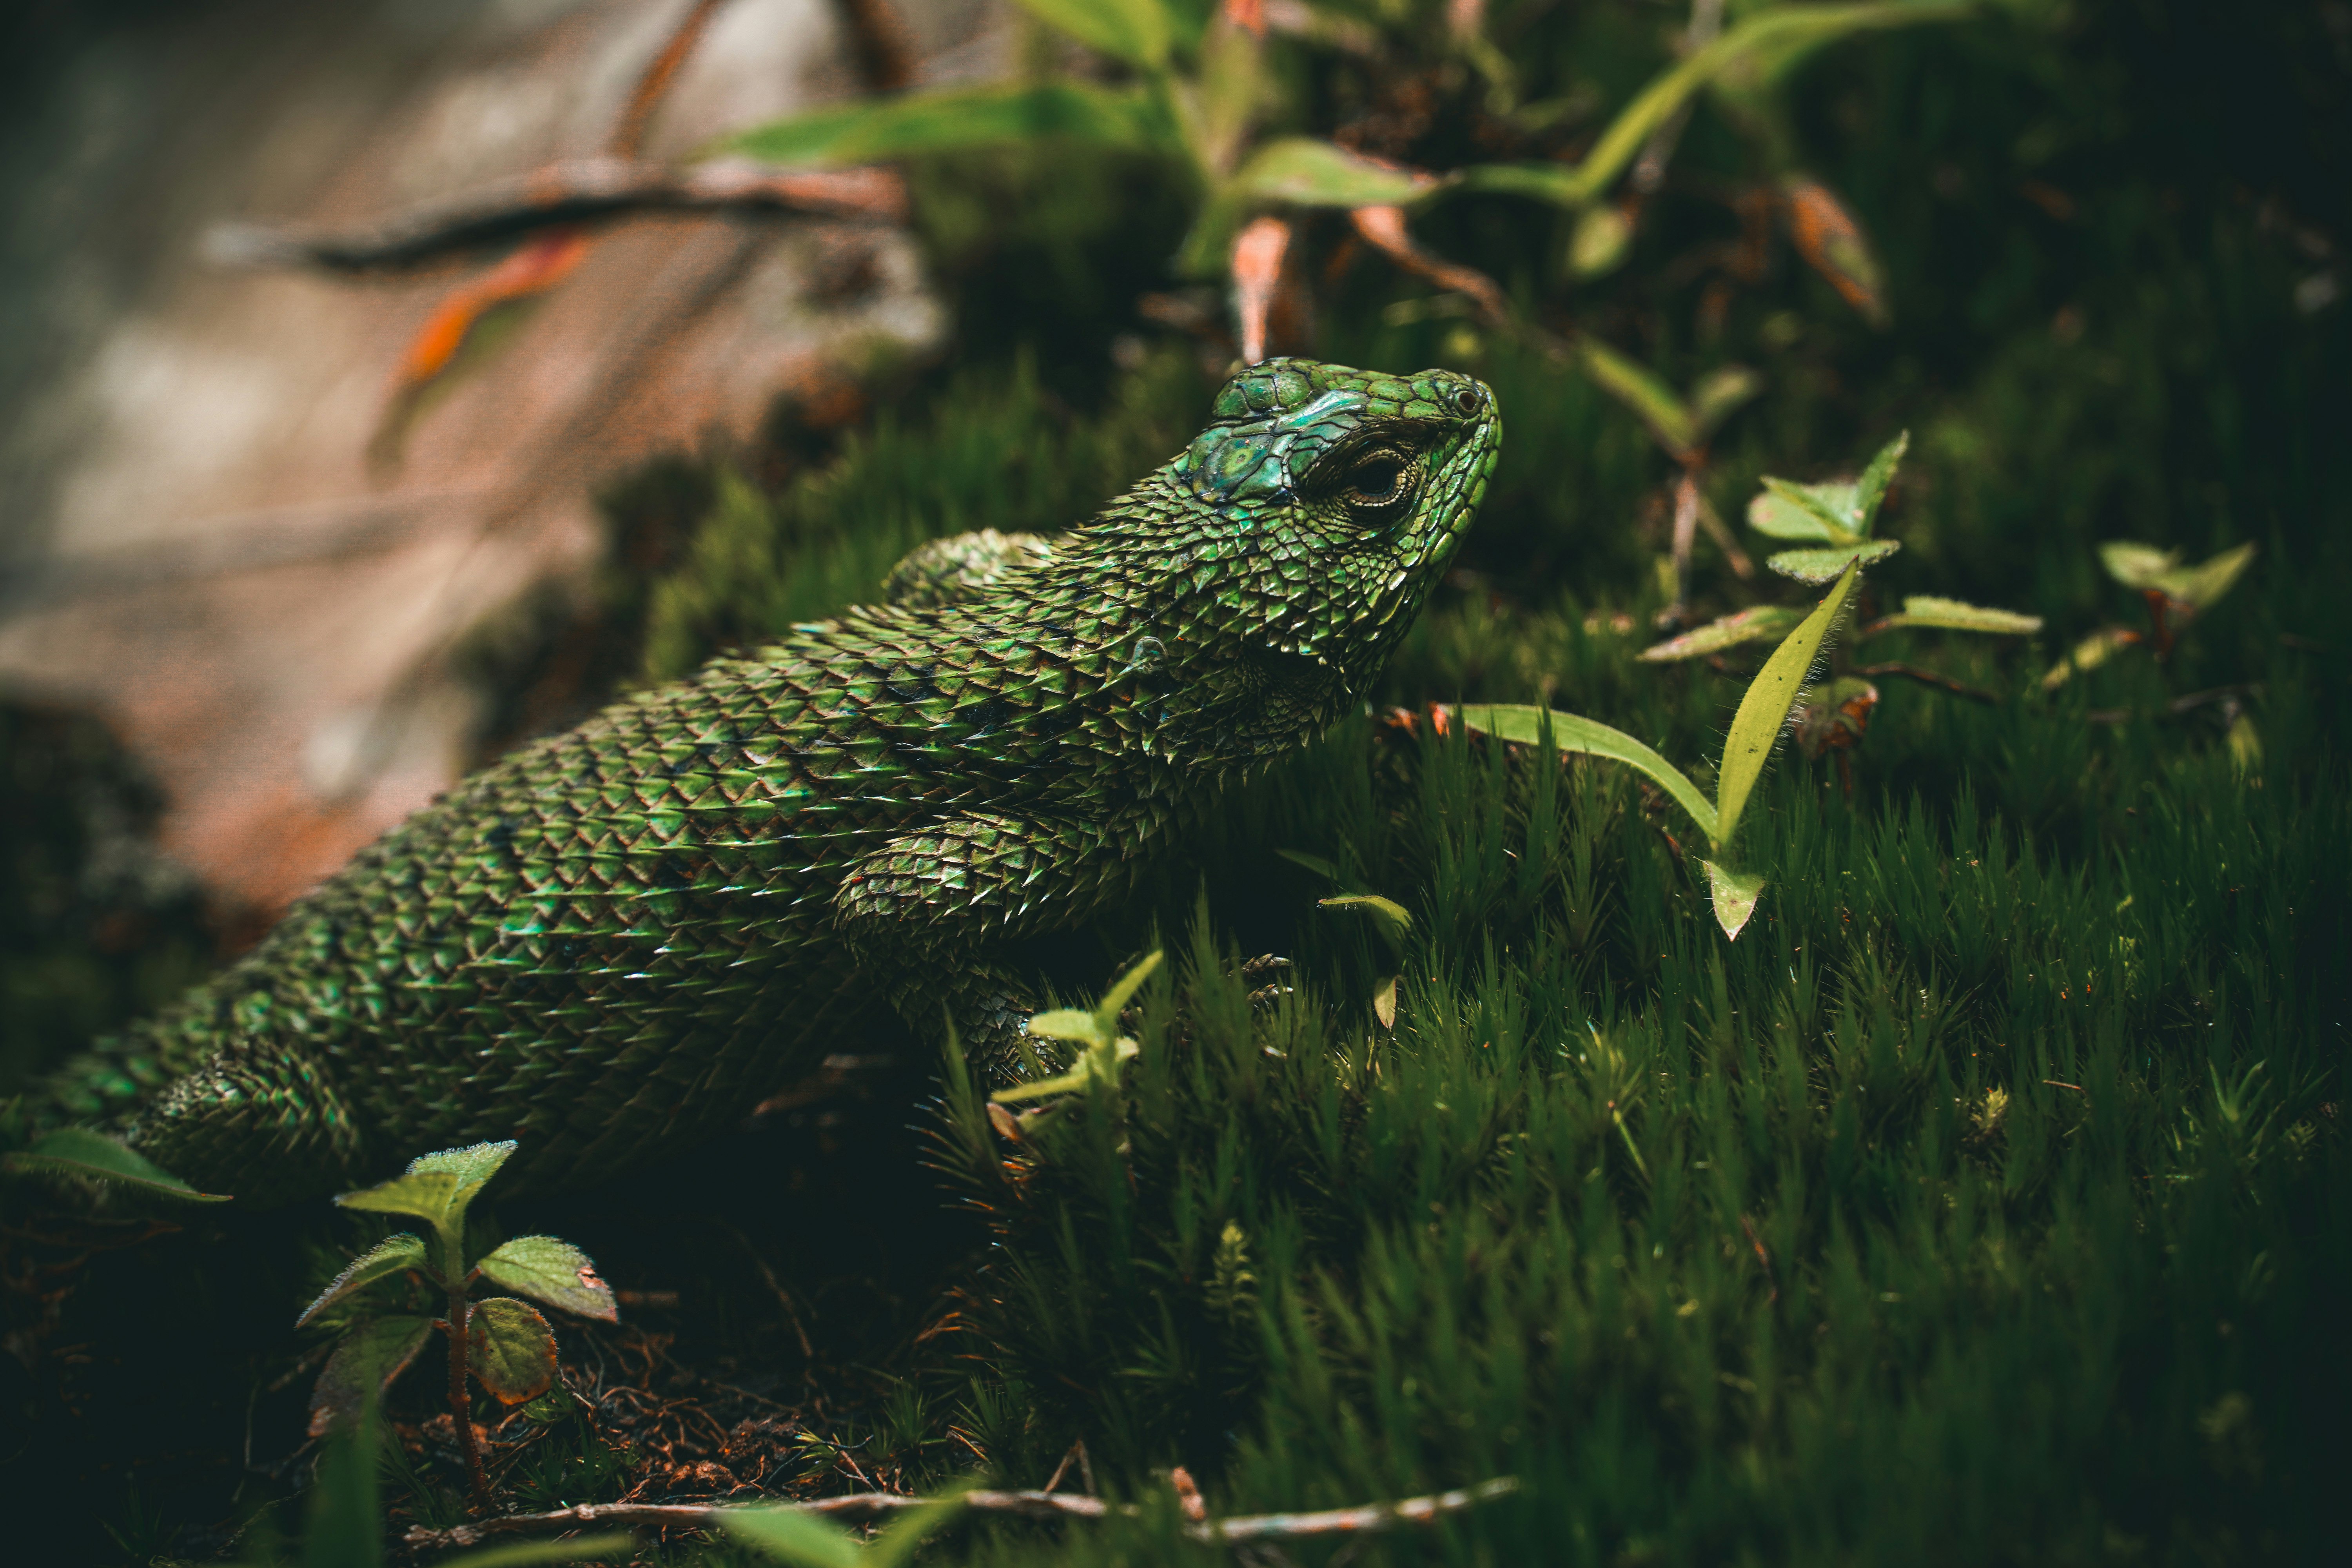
{"x": 1102, "y": 1052}
{"x": 2175, "y": 596}
{"x": 504, "y": 1344}
{"x": 1835, "y": 521}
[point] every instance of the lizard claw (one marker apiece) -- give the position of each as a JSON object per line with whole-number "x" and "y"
{"x": 1264, "y": 975}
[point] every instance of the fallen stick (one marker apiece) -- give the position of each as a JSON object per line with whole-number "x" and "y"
{"x": 1236, "y": 1530}
{"x": 583, "y": 190}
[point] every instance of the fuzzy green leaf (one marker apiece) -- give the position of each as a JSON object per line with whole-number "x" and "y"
{"x": 1308, "y": 173}
{"x": 1115, "y": 1000}
{"x": 93, "y": 1156}
{"x": 1734, "y": 895}
{"x": 1135, "y": 31}
{"x": 1763, "y": 623}
{"x": 1523, "y": 725}
{"x": 436, "y": 1187}
{"x": 1066, "y": 1024}
{"x": 952, "y": 121}
{"x": 1642, "y": 391}
{"x": 553, "y": 1271}
{"x": 511, "y": 1348}
{"x": 1951, "y": 616}
{"x": 1818, "y": 566}
{"x": 1787, "y": 510}
{"x": 1870, "y": 490}
{"x": 393, "y": 1255}
{"x": 1765, "y": 708}
{"x": 364, "y": 1362}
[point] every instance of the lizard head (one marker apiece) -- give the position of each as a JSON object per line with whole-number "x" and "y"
{"x": 1291, "y": 543}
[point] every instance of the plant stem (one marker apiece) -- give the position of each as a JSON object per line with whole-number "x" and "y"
{"x": 460, "y": 1406}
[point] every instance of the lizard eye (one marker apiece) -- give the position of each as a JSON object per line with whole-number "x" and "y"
{"x": 1466, "y": 402}
{"x": 1376, "y": 481}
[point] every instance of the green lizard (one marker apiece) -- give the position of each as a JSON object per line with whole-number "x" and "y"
{"x": 619, "y": 938}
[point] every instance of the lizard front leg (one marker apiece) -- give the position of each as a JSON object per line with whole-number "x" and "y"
{"x": 929, "y": 913}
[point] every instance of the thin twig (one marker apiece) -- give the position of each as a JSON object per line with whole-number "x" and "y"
{"x": 628, "y": 138}
{"x": 864, "y": 1506}
{"x": 563, "y": 194}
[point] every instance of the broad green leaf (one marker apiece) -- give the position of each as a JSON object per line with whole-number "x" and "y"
{"x": 1734, "y": 895}
{"x": 1524, "y": 725}
{"x": 1870, "y": 490}
{"x": 1135, "y": 31}
{"x": 1951, "y": 616}
{"x": 515, "y": 1553}
{"x": 1807, "y": 511}
{"x": 2089, "y": 654}
{"x": 393, "y": 1255}
{"x": 1394, "y": 922}
{"x": 473, "y": 1165}
{"x": 1601, "y": 236}
{"x": 1819, "y": 567}
{"x": 1761, "y": 41}
{"x": 511, "y": 1348}
{"x": 93, "y": 1156}
{"x": 553, "y": 1271}
{"x": 364, "y": 1362}
{"x": 1765, "y": 706}
{"x": 1641, "y": 391}
{"x": 343, "y": 1525}
{"x": 1792, "y": 517}
{"x": 1315, "y": 863}
{"x": 435, "y": 1188}
{"x": 1762, "y": 623}
{"x": 2137, "y": 565}
{"x": 2208, "y": 580}
{"x": 1309, "y": 173}
{"x": 1718, "y": 395}
{"x": 952, "y": 121}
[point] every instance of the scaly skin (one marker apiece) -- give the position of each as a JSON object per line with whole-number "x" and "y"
{"x": 618, "y": 939}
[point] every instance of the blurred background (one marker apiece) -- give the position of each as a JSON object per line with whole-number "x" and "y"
{"x": 384, "y": 384}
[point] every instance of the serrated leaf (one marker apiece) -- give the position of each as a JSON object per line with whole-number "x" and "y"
{"x": 362, "y": 1366}
{"x": 1950, "y": 614}
{"x": 1306, "y": 172}
{"x": 92, "y": 1156}
{"x": 553, "y": 1271}
{"x": 1765, "y": 707}
{"x": 1734, "y": 895}
{"x": 510, "y": 1349}
{"x": 435, "y": 1188}
{"x": 1642, "y": 391}
{"x": 2137, "y": 565}
{"x": 393, "y": 1255}
{"x": 472, "y": 1165}
{"x": 948, "y": 122}
{"x": 1526, "y": 725}
{"x": 1762, "y": 623}
{"x": 1819, "y": 567}
{"x": 1394, "y": 922}
{"x": 1135, "y": 31}
{"x": 1870, "y": 490}
{"x": 2200, "y": 585}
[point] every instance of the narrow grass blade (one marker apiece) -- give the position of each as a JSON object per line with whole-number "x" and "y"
{"x": 1522, "y": 723}
{"x": 1765, "y": 709}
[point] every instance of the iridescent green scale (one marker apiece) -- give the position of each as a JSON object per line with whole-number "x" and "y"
{"x": 619, "y": 938}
